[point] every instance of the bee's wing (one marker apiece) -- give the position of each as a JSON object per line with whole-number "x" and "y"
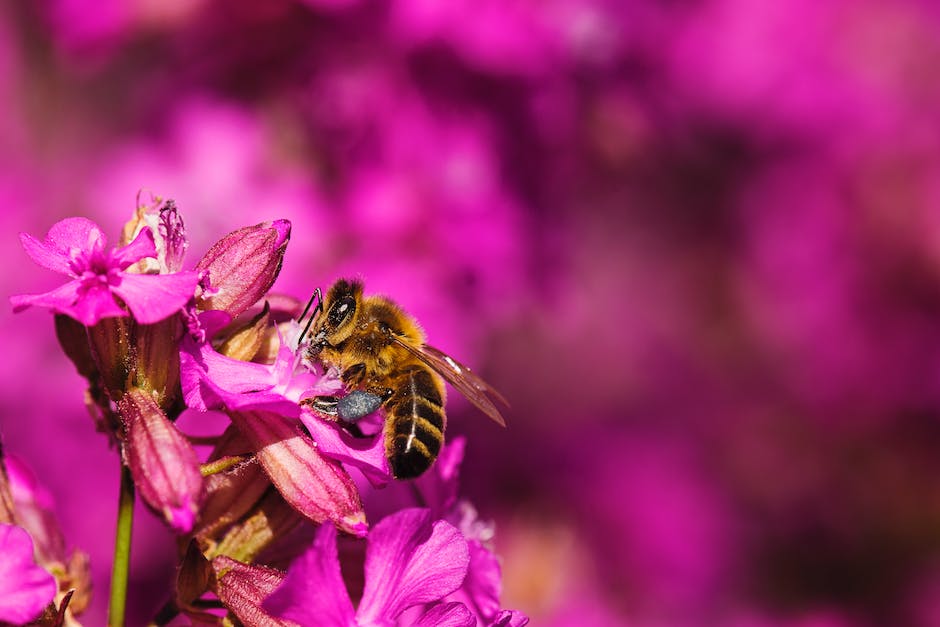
{"x": 461, "y": 377}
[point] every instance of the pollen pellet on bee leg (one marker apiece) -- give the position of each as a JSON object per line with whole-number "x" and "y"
{"x": 357, "y": 404}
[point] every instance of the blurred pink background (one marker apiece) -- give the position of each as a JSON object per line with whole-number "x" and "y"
{"x": 696, "y": 243}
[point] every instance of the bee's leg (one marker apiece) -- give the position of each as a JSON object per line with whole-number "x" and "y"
{"x": 326, "y": 406}
{"x": 357, "y": 404}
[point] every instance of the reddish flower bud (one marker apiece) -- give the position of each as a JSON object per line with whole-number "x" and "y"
{"x": 242, "y": 266}
{"x": 316, "y": 487}
{"x": 162, "y": 461}
{"x": 243, "y": 588}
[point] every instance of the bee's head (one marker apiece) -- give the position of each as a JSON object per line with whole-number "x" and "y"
{"x": 338, "y": 317}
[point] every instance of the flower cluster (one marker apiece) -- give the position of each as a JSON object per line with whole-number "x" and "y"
{"x": 161, "y": 345}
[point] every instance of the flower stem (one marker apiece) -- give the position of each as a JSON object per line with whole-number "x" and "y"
{"x": 122, "y": 550}
{"x": 221, "y": 465}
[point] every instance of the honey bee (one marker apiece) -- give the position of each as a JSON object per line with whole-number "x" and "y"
{"x": 383, "y": 361}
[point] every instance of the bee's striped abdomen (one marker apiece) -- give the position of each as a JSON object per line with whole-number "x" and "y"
{"x": 414, "y": 429}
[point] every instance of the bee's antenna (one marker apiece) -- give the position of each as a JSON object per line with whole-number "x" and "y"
{"x": 318, "y": 296}
{"x": 313, "y": 297}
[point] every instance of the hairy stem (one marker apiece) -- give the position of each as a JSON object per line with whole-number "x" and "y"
{"x": 221, "y": 465}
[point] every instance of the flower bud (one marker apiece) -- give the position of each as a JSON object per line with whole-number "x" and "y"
{"x": 243, "y": 588}
{"x": 242, "y": 266}
{"x": 162, "y": 461}
{"x": 316, "y": 487}
{"x": 22, "y": 497}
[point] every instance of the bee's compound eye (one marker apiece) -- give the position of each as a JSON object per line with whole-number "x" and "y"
{"x": 342, "y": 310}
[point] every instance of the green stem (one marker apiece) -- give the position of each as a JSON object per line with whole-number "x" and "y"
{"x": 122, "y": 550}
{"x": 221, "y": 465}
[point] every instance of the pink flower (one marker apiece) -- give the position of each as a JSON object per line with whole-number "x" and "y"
{"x": 25, "y": 588}
{"x": 211, "y": 380}
{"x": 262, "y": 401}
{"x": 410, "y": 561}
{"x": 99, "y": 284}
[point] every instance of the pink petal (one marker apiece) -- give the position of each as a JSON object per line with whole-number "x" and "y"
{"x": 447, "y": 615}
{"x": 482, "y": 587}
{"x": 142, "y": 246}
{"x": 88, "y": 306}
{"x": 34, "y": 508}
{"x": 45, "y": 255}
{"x": 25, "y": 588}
{"x": 410, "y": 561}
{"x": 93, "y": 305}
{"x": 61, "y": 299}
{"x": 244, "y": 587}
{"x": 313, "y": 592}
{"x": 153, "y": 297}
{"x": 210, "y": 380}
{"x": 24, "y": 485}
{"x": 232, "y": 375}
{"x": 366, "y": 454}
{"x": 78, "y": 232}
{"x": 55, "y": 252}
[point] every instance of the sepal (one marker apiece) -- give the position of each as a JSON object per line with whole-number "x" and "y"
{"x": 316, "y": 487}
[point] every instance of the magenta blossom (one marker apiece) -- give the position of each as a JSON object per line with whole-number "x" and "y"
{"x": 262, "y": 401}
{"x": 211, "y": 380}
{"x": 76, "y": 247}
{"x": 25, "y": 588}
{"x": 410, "y": 560}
